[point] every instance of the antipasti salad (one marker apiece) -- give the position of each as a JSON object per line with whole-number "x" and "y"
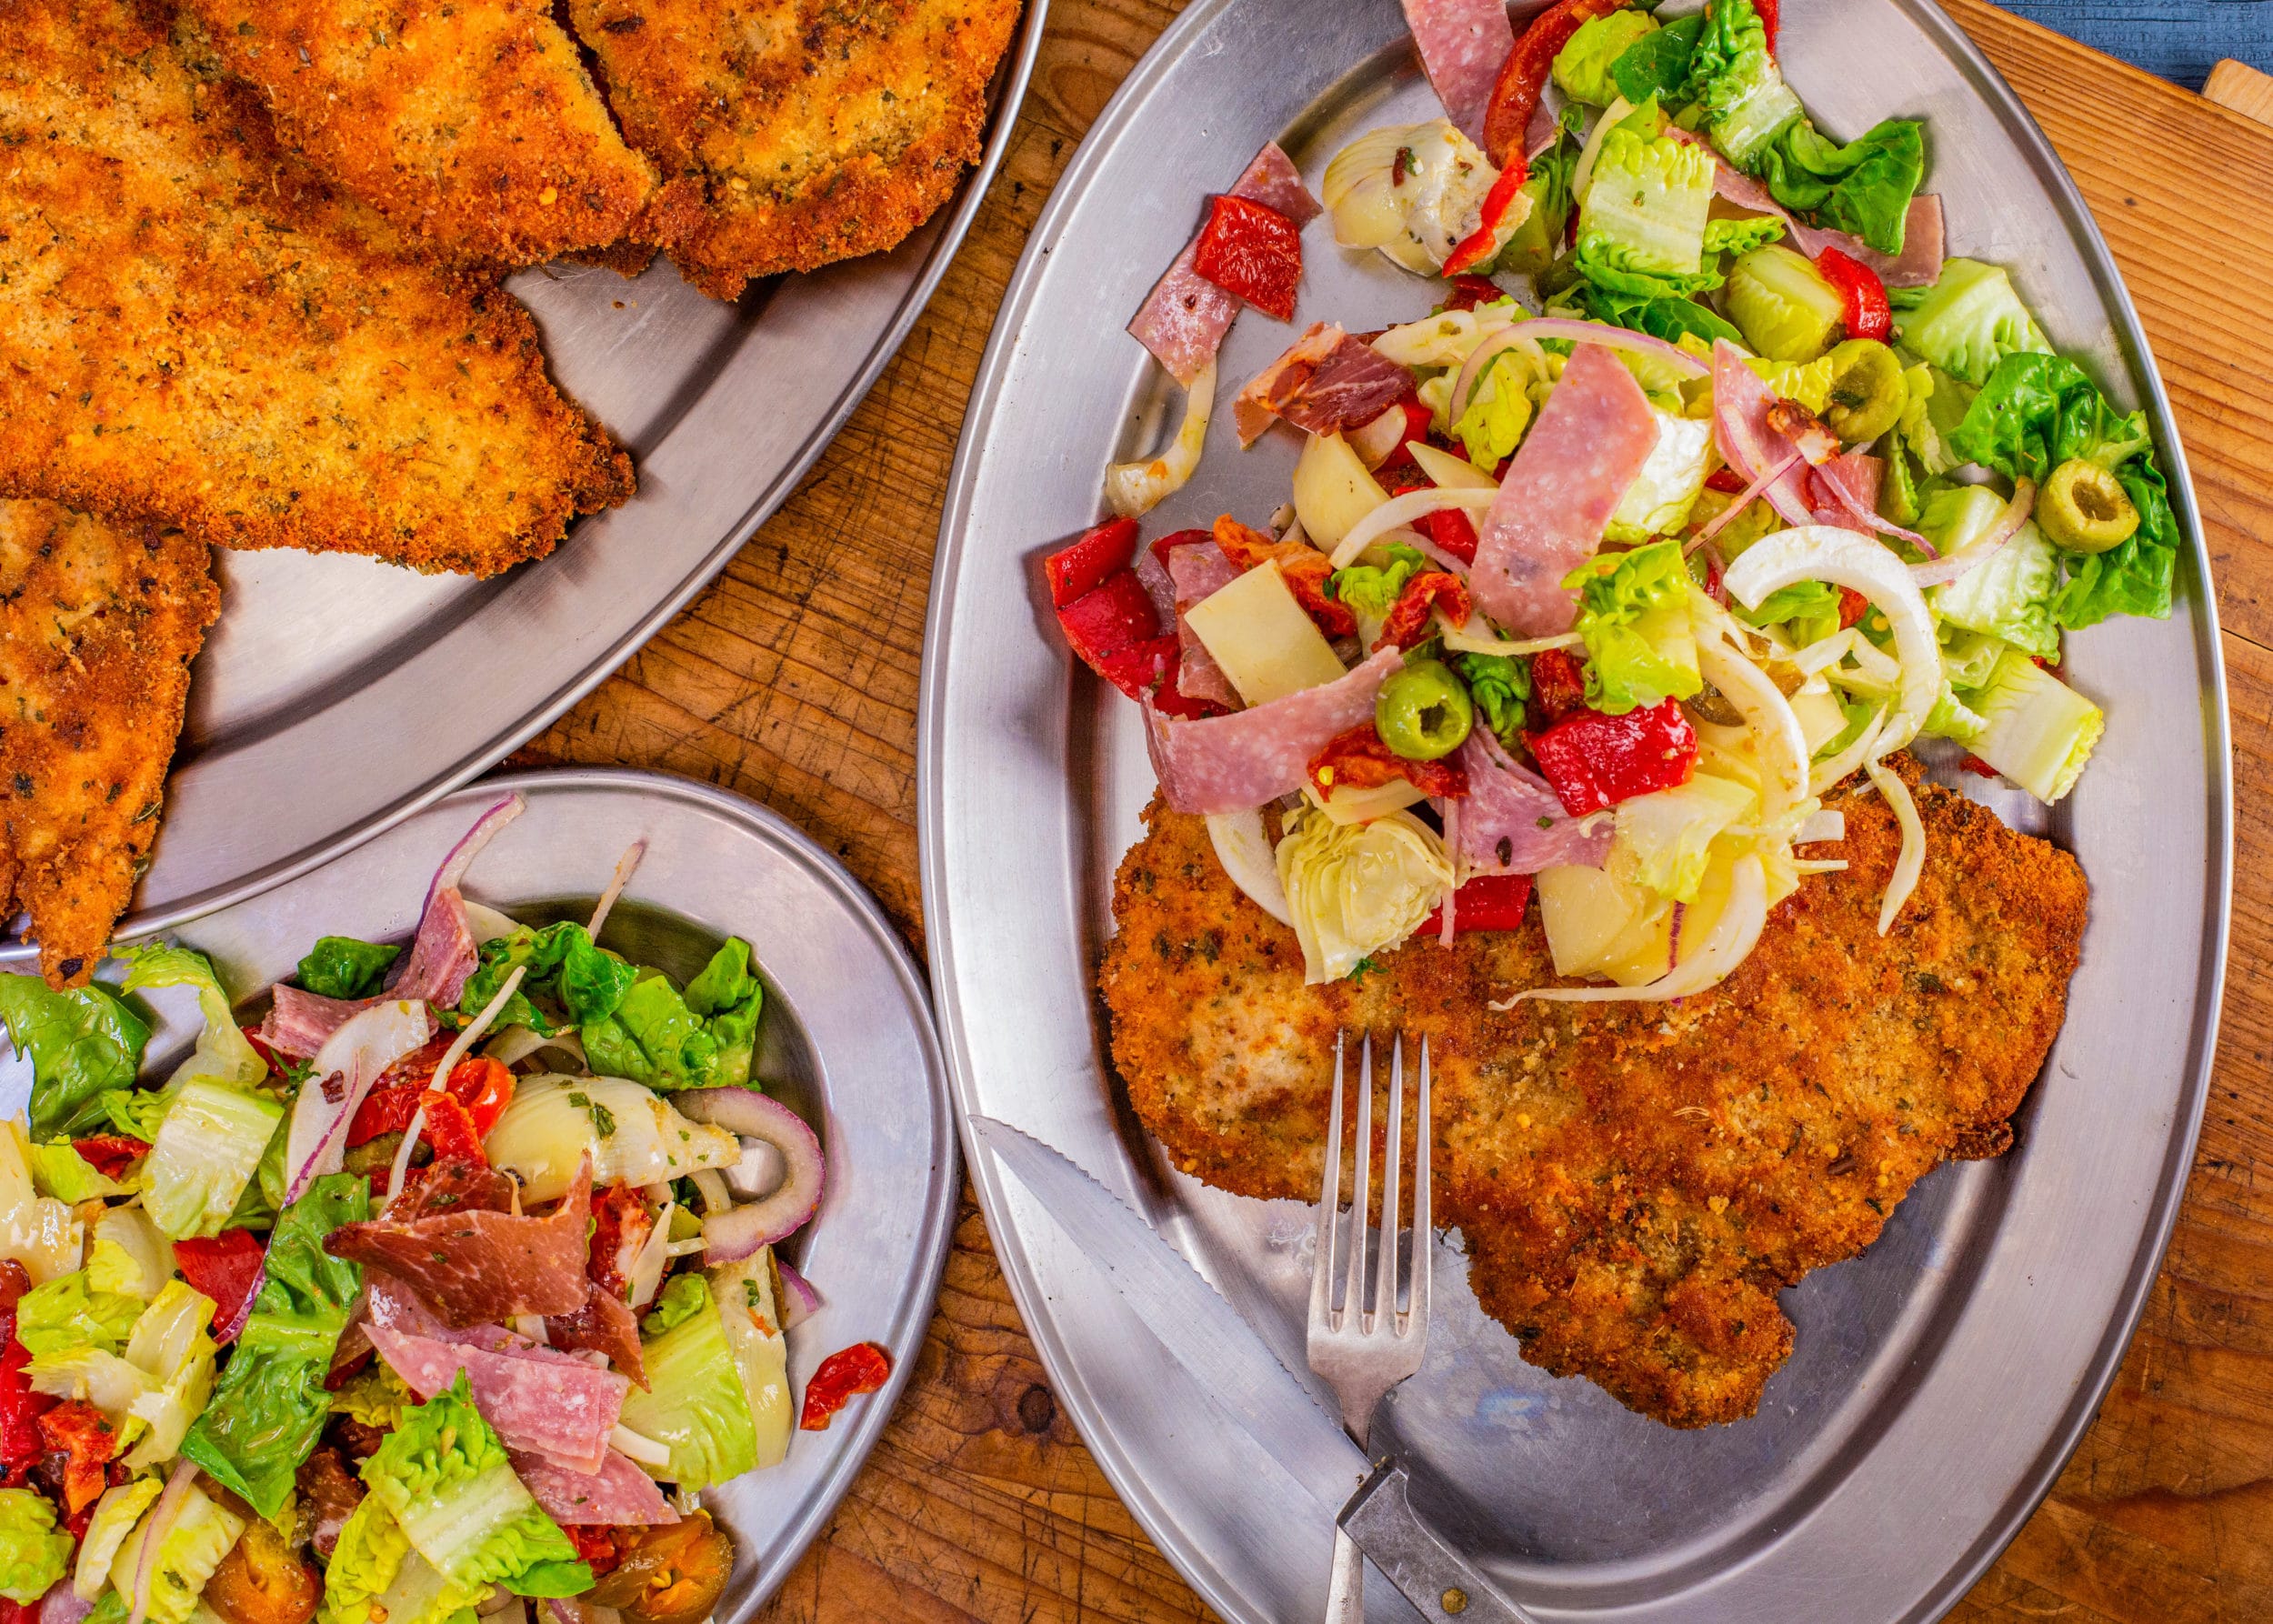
{"x": 1711, "y": 482}
{"x": 441, "y": 1292}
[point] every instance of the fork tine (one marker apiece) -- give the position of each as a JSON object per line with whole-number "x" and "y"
{"x": 1423, "y": 1231}
{"x": 1329, "y": 1201}
{"x": 1361, "y": 1192}
{"x": 1392, "y": 1193}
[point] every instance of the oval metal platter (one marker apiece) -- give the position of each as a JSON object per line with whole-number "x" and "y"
{"x": 1941, "y": 1380}
{"x": 846, "y": 1039}
{"x": 361, "y": 691}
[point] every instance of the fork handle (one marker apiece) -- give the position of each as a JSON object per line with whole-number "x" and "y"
{"x": 1346, "y": 1597}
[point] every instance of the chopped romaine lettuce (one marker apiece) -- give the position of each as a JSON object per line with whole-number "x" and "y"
{"x": 81, "y": 1043}
{"x": 33, "y": 1553}
{"x": 1668, "y": 318}
{"x": 374, "y": 1577}
{"x": 1952, "y": 718}
{"x": 38, "y": 1232}
{"x": 683, "y": 1296}
{"x": 1807, "y": 609}
{"x": 1499, "y": 411}
{"x": 67, "y": 1315}
{"x": 128, "y": 1256}
{"x": 194, "y": 1543}
{"x": 1658, "y": 64}
{"x": 443, "y": 1477}
{"x": 1864, "y": 187}
{"x": 1785, "y": 308}
{"x": 1373, "y": 589}
{"x": 60, "y": 1171}
{"x": 271, "y": 1405}
{"x": 1641, "y": 224}
{"x": 728, "y": 996}
{"x": 1808, "y": 383}
{"x": 1634, "y": 614}
{"x": 2008, "y": 594}
{"x": 2036, "y": 730}
{"x": 1734, "y": 79}
{"x": 208, "y": 1147}
{"x": 655, "y": 1038}
{"x": 1970, "y": 320}
{"x": 1955, "y": 517}
{"x": 265, "y": 1191}
{"x": 115, "y": 1514}
{"x": 1659, "y": 501}
{"x": 340, "y": 967}
{"x": 1741, "y": 236}
{"x": 1665, "y": 840}
{"x": 176, "y": 1356}
{"x": 135, "y": 1112}
{"x": 223, "y": 1055}
{"x": 694, "y": 1404}
{"x": 376, "y": 1397}
{"x": 1583, "y": 66}
{"x": 1498, "y": 684}
{"x": 1917, "y": 427}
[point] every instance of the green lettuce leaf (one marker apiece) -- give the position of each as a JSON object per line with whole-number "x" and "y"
{"x": 271, "y": 1405}
{"x": 136, "y": 1112}
{"x": 1808, "y": 609}
{"x": 1373, "y": 589}
{"x": 728, "y": 996}
{"x": 1864, "y": 187}
{"x": 195, "y": 1542}
{"x": 375, "y": 1577}
{"x": 1585, "y": 66}
{"x": 81, "y": 1043}
{"x": 1658, "y": 64}
{"x": 1734, "y": 80}
{"x": 1644, "y": 211}
{"x": 1634, "y": 615}
{"x": 1498, "y": 412}
{"x": 223, "y": 1055}
{"x": 1498, "y": 684}
{"x": 2007, "y": 595}
{"x": 340, "y": 967}
{"x": 1970, "y": 321}
{"x": 2035, "y": 730}
{"x": 1539, "y": 239}
{"x": 683, "y": 1296}
{"x": 1741, "y": 236}
{"x": 695, "y": 1405}
{"x": 567, "y": 971}
{"x": 208, "y": 1146}
{"x": 1667, "y": 317}
{"x": 33, "y": 1553}
{"x": 60, "y": 1171}
{"x": 67, "y": 1315}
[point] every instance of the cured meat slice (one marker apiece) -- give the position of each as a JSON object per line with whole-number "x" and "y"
{"x": 1849, "y": 486}
{"x": 1923, "y": 241}
{"x": 1236, "y": 763}
{"x": 620, "y": 1493}
{"x": 471, "y": 1267}
{"x": 1201, "y": 570}
{"x": 440, "y": 957}
{"x": 1183, "y": 320}
{"x": 1512, "y": 822}
{"x": 297, "y": 1022}
{"x": 1326, "y": 381}
{"x": 558, "y": 1407}
{"x": 605, "y": 1325}
{"x": 1588, "y": 446}
{"x": 1462, "y": 45}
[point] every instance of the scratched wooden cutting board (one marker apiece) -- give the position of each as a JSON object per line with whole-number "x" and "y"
{"x": 793, "y": 680}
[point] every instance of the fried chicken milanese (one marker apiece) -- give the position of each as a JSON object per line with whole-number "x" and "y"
{"x": 98, "y": 624}
{"x": 1634, "y": 1182}
{"x": 197, "y": 331}
{"x": 809, "y": 131}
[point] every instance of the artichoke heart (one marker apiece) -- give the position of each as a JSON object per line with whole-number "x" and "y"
{"x": 1356, "y": 888}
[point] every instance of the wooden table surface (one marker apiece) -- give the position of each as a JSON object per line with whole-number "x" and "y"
{"x": 794, "y": 680}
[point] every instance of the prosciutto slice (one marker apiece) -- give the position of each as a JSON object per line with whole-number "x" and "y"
{"x": 1588, "y": 446}
{"x": 1924, "y": 242}
{"x": 620, "y": 1493}
{"x": 546, "y": 1403}
{"x": 1462, "y": 45}
{"x": 1236, "y": 763}
{"x": 1201, "y": 570}
{"x": 434, "y": 969}
{"x": 297, "y": 1022}
{"x": 605, "y": 1325}
{"x": 470, "y": 1266}
{"x": 1748, "y": 443}
{"x": 1512, "y": 822}
{"x": 1326, "y": 381}
{"x": 1183, "y": 320}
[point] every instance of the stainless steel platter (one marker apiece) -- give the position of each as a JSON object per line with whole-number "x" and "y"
{"x": 846, "y": 1040}
{"x": 337, "y": 695}
{"x": 1940, "y": 1380}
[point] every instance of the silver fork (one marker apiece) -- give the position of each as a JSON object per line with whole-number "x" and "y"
{"x": 1364, "y": 1352}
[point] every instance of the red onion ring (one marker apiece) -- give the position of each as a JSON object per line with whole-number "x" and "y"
{"x": 1640, "y": 344}
{"x": 461, "y": 856}
{"x": 730, "y": 1237}
{"x": 153, "y": 1534}
{"x": 1941, "y": 572}
{"x": 799, "y": 1302}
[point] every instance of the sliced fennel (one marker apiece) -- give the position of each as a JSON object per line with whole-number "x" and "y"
{"x": 1911, "y": 861}
{"x": 1135, "y": 489}
{"x": 1245, "y": 852}
{"x": 1734, "y": 934}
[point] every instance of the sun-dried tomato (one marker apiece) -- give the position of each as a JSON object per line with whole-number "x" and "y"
{"x": 861, "y": 1368}
{"x": 80, "y": 1443}
{"x": 622, "y": 1221}
{"x": 1426, "y": 592}
{"x": 1558, "y": 684}
{"x": 1359, "y": 760}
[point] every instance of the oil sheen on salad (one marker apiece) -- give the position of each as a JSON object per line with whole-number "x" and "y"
{"x": 439, "y": 1294}
{"x": 1711, "y": 481}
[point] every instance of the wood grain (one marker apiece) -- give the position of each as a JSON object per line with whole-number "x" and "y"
{"x": 2243, "y": 88}
{"x": 793, "y": 680}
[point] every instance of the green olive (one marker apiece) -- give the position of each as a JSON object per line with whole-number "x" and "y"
{"x": 1867, "y": 391}
{"x": 1422, "y": 712}
{"x": 2085, "y": 508}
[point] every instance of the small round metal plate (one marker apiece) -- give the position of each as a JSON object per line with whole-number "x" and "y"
{"x": 1939, "y": 1380}
{"x": 846, "y": 1039}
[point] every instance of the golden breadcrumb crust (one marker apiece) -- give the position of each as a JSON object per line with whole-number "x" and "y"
{"x": 1635, "y": 1183}
{"x": 98, "y": 624}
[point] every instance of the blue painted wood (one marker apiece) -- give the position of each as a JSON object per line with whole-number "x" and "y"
{"x": 2179, "y": 39}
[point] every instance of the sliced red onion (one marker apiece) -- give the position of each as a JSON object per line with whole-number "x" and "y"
{"x": 1738, "y": 392}
{"x": 340, "y": 1077}
{"x": 799, "y": 1302}
{"x": 469, "y": 846}
{"x": 153, "y": 1534}
{"x": 733, "y": 1236}
{"x": 1863, "y": 514}
{"x": 1640, "y": 344}
{"x": 63, "y": 1604}
{"x": 1480, "y": 360}
{"x": 1750, "y": 494}
{"x": 625, "y": 866}
{"x": 1941, "y": 572}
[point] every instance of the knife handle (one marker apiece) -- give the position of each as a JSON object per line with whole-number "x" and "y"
{"x": 1436, "y": 1579}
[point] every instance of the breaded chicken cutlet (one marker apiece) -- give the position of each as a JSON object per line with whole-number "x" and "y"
{"x": 812, "y": 130}
{"x": 1635, "y": 1182}
{"x": 197, "y": 331}
{"x": 471, "y": 124}
{"x": 98, "y": 624}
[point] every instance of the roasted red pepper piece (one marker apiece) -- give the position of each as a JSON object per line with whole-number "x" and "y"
{"x": 861, "y": 1368}
{"x": 621, "y": 1223}
{"x": 1769, "y": 19}
{"x": 1868, "y": 315}
{"x": 1485, "y": 241}
{"x": 595, "y": 1547}
{"x": 1408, "y": 620}
{"x": 1109, "y": 618}
{"x": 80, "y": 1443}
{"x": 1559, "y": 686}
{"x": 383, "y": 1111}
{"x": 1082, "y": 568}
{"x": 1595, "y": 761}
{"x": 1449, "y": 530}
{"x": 1252, "y": 252}
{"x": 1516, "y": 93}
{"x": 1468, "y": 292}
{"x": 485, "y": 1087}
{"x": 226, "y": 1267}
{"x": 1852, "y": 603}
{"x": 1138, "y": 669}
{"x": 1168, "y": 544}
{"x": 21, "y": 1445}
{"x": 1487, "y": 902}
{"x": 109, "y": 1153}
{"x": 1359, "y": 759}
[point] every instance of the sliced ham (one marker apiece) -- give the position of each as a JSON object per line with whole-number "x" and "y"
{"x": 1849, "y": 486}
{"x": 1199, "y": 570}
{"x": 620, "y": 1493}
{"x": 605, "y": 1325}
{"x": 1512, "y": 822}
{"x": 1462, "y": 45}
{"x": 1923, "y": 239}
{"x": 555, "y": 1408}
{"x": 297, "y": 1022}
{"x": 1327, "y": 381}
{"x": 1183, "y": 320}
{"x": 1238, "y": 762}
{"x": 469, "y": 1267}
{"x": 1588, "y": 446}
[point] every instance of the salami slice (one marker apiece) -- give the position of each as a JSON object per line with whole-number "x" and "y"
{"x": 1201, "y": 570}
{"x": 1462, "y": 45}
{"x": 1183, "y": 320}
{"x": 1588, "y": 446}
{"x": 1236, "y": 763}
{"x": 1512, "y": 822}
{"x": 558, "y": 1407}
{"x": 618, "y": 1494}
